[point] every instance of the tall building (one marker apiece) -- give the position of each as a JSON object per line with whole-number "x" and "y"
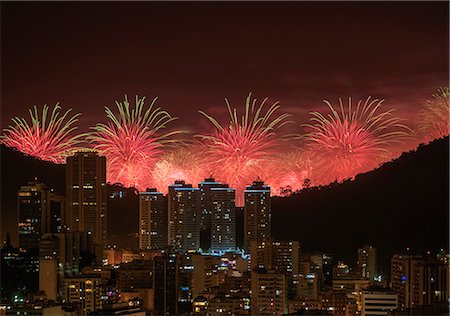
{"x": 257, "y": 214}
{"x": 419, "y": 281}
{"x": 165, "y": 280}
{"x": 40, "y": 211}
{"x": 367, "y": 262}
{"x": 223, "y": 219}
{"x": 405, "y": 281}
{"x": 152, "y": 219}
{"x": 183, "y": 209}
{"x": 206, "y": 208}
{"x": 327, "y": 267}
{"x": 434, "y": 282}
{"x": 86, "y": 196}
{"x": 204, "y": 273}
{"x": 269, "y": 295}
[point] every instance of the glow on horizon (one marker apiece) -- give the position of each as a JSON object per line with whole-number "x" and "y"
{"x": 351, "y": 138}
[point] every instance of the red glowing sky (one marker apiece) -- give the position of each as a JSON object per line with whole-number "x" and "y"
{"x": 192, "y": 55}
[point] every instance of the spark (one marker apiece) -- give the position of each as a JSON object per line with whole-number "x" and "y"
{"x": 352, "y": 139}
{"x": 240, "y": 151}
{"x": 432, "y": 121}
{"x": 290, "y": 170}
{"x": 184, "y": 163}
{"x": 133, "y": 141}
{"x": 46, "y": 137}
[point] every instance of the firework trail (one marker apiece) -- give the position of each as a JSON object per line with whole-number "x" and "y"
{"x": 184, "y": 163}
{"x": 352, "y": 139}
{"x": 48, "y": 137}
{"x": 432, "y": 121}
{"x": 132, "y": 142}
{"x": 240, "y": 151}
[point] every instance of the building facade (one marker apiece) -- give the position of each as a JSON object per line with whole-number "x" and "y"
{"x": 223, "y": 219}
{"x": 152, "y": 219}
{"x": 184, "y": 209}
{"x": 86, "y": 196}
{"x": 257, "y": 214}
{"x": 40, "y": 211}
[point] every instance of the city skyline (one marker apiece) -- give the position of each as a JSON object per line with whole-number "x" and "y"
{"x": 255, "y": 158}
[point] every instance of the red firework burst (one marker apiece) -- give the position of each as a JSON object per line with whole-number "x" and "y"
{"x": 352, "y": 140}
{"x": 47, "y": 137}
{"x": 184, "y": 163}
{"x": 132, "y": 142}
{"x": 432, "y": 120}
{"x": 288, "y": 172}
{"x": 240, "y": 152}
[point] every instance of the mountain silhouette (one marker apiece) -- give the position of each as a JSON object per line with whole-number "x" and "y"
{"x": 403, "y": 203}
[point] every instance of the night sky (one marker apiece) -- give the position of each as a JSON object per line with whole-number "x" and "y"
{"x": 193, "y": 55}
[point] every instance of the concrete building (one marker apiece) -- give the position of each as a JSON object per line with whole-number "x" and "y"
{"x": 40, "y": 210}
{"x": 152, "y": 219}
{"x": 257, "y": 215}
{"x": 269, "y": 295}
{"x": 86, "y": 197}
{"x": 419, "y": 281}
{"x": 165, "y": 283}
{"x": 378, "y": 302}
{"x": 205, "y": 273}
{"x": 206, "y": 209}
{"x": 183, "y": 209}
{"x": 367, "y": 262}
{"x": 223, "y": 219}
{"x": 85, "y": 291}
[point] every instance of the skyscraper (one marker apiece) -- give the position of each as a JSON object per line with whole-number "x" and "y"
{"x": 184, "y": 209}
{"x": 223, "y": 219}
{"x": 367, "y": 262}
{"x": 206, "y": 210}
{"x": 257, "y": 214}
{"x": 152, "y": 219}
{"x": 86, "y": 196}
{"x": 165, "y": 280}
{"x": 40, "y": 211}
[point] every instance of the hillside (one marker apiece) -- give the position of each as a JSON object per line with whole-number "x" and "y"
{"x": 402, "y": 203}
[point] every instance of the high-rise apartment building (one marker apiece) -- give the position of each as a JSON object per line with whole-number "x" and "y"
{"x": 86, "y": 196}
{"x": 40, "y": 211}
{"x": 165, "y": 282}
{"x": 367, "y": 262}
{"x": 419, "y": 281}
{"x": 152, "y": 219}
{"x": 269, "y": 295}
{"x": 184, "y": 209}
{"x": 257, "y": 214}
{"x": 223, "y": 219}
{"x": 205, "y": 215}
{"x": 405, "y": 279}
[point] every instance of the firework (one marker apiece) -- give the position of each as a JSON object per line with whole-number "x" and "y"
{"x": 47, "y": 137}
{"x": 432, "y": 120}
{"x": 240, "y": 151}
{"x": 184, "y": 163}
{"x": 132, "y": 142}
{"x": 352, "y": 139}
{"x": 289, "y": 171}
